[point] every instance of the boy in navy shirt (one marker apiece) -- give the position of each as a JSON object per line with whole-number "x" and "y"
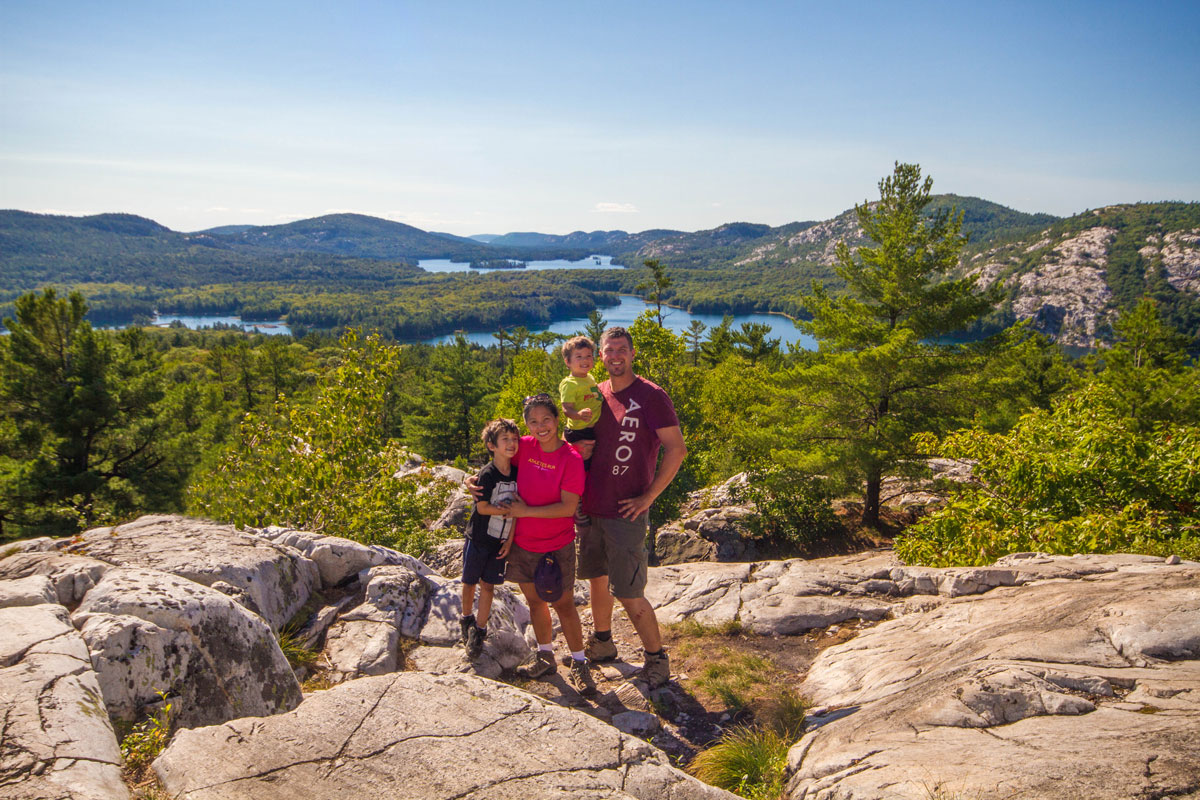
{"x": 488, "y": 530}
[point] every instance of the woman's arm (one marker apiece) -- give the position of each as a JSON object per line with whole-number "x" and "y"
{"x": 563, "y": 508}
{"x": 484, "y": 507}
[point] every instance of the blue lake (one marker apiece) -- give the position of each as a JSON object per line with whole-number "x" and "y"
{"x": 591, "y": 262}
{"x": 676, "y": 319}
{"x": 273, "y": 327}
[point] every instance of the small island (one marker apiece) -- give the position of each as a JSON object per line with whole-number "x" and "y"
{"x": 497, "y": 263}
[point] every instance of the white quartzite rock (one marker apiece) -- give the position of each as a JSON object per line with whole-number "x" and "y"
{"x": 55, "y": 737}
{"x": 71, "y": 576}
{"x": 400, "y": 602}
{"x": 421, "y": 737}
{"x": 151, "y": 631}
{"x": 271, "y": 580}
{"x": 1084, "y": 685}
{"x": 29, "y": 591}
{"x": 339, "y": 559}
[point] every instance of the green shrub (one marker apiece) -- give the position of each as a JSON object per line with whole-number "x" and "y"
{"x": 747, "y": 761}
{"x": 1081, "y": 478}
{"x": 328, "y": 465}
{"x": 147, "y": 740}
{"x": 791, "y": 507}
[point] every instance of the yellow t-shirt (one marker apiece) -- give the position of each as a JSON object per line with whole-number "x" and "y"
{"x": 581, "y": 393}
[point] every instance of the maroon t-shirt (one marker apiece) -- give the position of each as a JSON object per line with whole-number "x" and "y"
{"x": 627, "y": 444}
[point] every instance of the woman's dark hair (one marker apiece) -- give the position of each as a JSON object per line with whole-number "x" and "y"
{"x": 544, "y": 400}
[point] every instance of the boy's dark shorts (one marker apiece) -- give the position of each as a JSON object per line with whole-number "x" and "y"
{"x": 615, "y": 547}
{"x": 480, "y": 562}
{"x": 522, "y": 563}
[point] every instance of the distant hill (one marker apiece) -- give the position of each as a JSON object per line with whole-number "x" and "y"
{"x": 596, "y": 242}
{"x": 485, "y": 238}
{"x": 354, "y": 235}
{"x": 41, "y": 249}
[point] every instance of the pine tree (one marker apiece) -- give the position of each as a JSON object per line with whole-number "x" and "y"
{"x": 883, "y": 372}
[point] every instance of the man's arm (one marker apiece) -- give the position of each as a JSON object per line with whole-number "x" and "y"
{"x": 674, "y": 451}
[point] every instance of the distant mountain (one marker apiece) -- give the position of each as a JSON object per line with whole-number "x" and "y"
{"x": 355, "y": 235}
{"x": 225, "y": 230}
{"x": 41, "y": 249}
{"x": 596, "y": 242}
{"x": 485, "y": 238}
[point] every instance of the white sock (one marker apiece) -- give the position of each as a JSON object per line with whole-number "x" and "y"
{"x": 545, "y": 648}
{"x": 578, "y": 655}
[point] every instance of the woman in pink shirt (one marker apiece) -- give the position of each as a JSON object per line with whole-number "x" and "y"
{"x": 550, "y": 479}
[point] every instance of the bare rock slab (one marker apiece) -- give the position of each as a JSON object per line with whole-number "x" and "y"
{"x": 421, "y": 737}
{"x": 150, "y": 631}
{"x": 272, "y": 580}
{"x": 1083, "y": 682}
{"x": 55, "y": 737}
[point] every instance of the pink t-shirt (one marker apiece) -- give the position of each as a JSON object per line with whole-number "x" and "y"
{"x": 627, "y": 444}
{"x": 541, "y": 479}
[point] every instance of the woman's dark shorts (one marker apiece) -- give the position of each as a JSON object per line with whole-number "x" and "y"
{"x": 522, "y": 563}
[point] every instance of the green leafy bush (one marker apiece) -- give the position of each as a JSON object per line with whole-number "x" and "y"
{"x": 147, "y": 740}
{"x": 328, "y": 465}
{"x": 1081, "y": 478}
{"x": 791, "y": 507}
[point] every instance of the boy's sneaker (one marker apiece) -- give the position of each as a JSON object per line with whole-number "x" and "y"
{"x": 543, "y": 666}
{"x": 475, "y": 642}
{"x": 598, "y": 651}
{"x": 656, "y": 671}
{"x": 466, "y": 623}
{"x": 580, "y": 678}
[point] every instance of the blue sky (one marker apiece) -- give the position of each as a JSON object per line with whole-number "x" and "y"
{"x": 474, "y": 117}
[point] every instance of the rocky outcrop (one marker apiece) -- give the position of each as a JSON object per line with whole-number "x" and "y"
{"x": 1179, "y": 252}
{"x": 272, "y": 581}
{"x": 421, "y": 736}
{"x": 400, "y": 602}
{"x": 55, "y": 737}
{"x": 1066, "y": 293}
{"x": 1074, "y": 677}
{"x": 150, "y": 631}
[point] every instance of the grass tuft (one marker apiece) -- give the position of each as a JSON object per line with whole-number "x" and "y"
{"x": 749, "y": 762}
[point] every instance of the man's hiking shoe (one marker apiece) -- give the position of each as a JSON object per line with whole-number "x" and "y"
{"x": 475, "y": 642}
{"x": 580, "y": 678}
{"x": 542, "y": 667}
{"x": 656, "y": 671}
{"x": 598, "y": 651}
{"x": 466, "y": 623}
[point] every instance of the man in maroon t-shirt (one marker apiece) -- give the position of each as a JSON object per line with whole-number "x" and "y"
{"x": 636, "y": 419}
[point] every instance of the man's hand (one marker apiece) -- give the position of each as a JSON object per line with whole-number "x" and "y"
{"x": 516, "y": 509}
{"x": 506, "y": 547}
{"x": 585, "y": 414}
{"x": 635, "y": 506}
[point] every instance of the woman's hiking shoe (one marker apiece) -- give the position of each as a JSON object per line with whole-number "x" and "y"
{"x": 598, "y": 651}
{"x": 580, "y": 678}
{"x": 657, "y": 670}
{"x": 466, "y": 623}
{"x": 543, "y": 666}
{"x": 475, "y": 642}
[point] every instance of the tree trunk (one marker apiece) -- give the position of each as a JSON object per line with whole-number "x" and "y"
{"x": 870, "y": 517}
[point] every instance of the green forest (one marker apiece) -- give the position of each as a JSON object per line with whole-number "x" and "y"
{"x": 1092, "y": 454}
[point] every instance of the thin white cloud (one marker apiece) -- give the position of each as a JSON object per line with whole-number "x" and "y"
{"x": 216, "y": 209}
{"x": 615, "y": 208}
